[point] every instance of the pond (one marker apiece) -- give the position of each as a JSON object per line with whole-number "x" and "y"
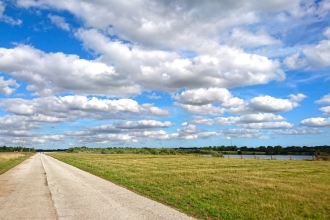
{"x": 269, "y": 157}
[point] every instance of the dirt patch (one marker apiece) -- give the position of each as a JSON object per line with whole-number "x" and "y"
{"x": 6, "y": 187}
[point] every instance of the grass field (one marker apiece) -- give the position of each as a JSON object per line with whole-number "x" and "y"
{"x": 9, "y": 160}
{"x": 219, "y": 188}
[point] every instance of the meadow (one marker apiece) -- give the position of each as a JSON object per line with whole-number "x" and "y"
{"x": 218, "y": 188}
{"x": 9, "y": 160}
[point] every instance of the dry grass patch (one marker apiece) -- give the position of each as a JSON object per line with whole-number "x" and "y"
{"x": 218, "y": 188}
{"x": 10, "y": 156}
{"x": 9, "y": 160}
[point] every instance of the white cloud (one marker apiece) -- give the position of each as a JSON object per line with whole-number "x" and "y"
{"x": 142, "y": 124}
{"x": 158, "y": 111}
{"x": 241, "y": 133}
{"x": 214, "y": 66}
{"x": 295, "y": 61}
{"x": 245, "y": 38}
{"x": 214, "y": 121}
{"x": 319, "y": 55}
{"x": 199, "y": 101}
{"x": 189, "y": 132}
{"x": 298, "y": 131}
{"x": 59, "y": 22}
{"x": 7, "y": 19}
{"x": 170, "y": 24}
{"x": 154, "y": 96}
{"x": 7, "y": 87}
{"x": 69, "y": 108}
{"x": 203, "y": 96}
{"x": 123, "y": 127}
{"x": 53, "y": 73}
{"x": 104, "y": 138}
{"x": 260, "y": 117}
{"x": 324, "y": 100}
{"x": 202, "y": 109}
{"x": 261, "y": 120}
{"x": 268, "y": 125}
{"x": 325, "y": 110}
{"x": 316, "y": 122}
{"x": 17, "y": 123}
{"x": 269, "y": 104}
{"x": 156, "y": 135}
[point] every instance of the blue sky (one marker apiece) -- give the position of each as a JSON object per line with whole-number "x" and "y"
{"x": 164, "y": 73}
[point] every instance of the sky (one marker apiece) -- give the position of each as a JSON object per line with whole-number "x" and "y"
{"x": 164, "y": 73}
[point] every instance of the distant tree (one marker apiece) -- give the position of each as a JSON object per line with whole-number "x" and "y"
{"x": 270, "y": 150}
{"x": 278, "y": 149}
{"x": 244, "y": 148}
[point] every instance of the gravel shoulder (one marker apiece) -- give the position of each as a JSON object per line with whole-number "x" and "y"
{"x": 45, "y": 188}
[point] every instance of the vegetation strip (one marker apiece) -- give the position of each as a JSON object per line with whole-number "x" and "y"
{"x": 218, "y": 188}
{"x": 9, "y": 160}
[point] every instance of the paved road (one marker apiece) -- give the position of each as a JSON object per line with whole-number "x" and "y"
{"x": 45, "y": 188}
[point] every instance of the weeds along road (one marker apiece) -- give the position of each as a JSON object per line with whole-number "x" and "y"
{"x": 44, "y": 188}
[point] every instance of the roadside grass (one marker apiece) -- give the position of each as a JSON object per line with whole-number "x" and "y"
{"x": 218, "y": 188}
{"x": 9, "y": 160}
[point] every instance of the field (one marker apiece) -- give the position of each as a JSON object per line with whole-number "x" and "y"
{"x": 218, "y": 188}
{"x": 9, "y": 160}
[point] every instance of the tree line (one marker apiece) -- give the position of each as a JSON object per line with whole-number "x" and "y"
{"x": 17, "y": 148}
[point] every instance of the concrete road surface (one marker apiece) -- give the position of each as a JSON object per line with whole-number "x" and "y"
{"x": 45, "y": 188}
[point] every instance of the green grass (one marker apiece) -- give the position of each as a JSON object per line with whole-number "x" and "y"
{"x": 219, "y": 188}
{"x": 9, "y": 160}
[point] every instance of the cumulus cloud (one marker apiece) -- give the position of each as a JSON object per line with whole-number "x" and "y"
{"x": 208, "y": 109}
{"x": 158, "y": 111}
{"x": 69, "y": 108}
{"x": 200, "y": 101}
{"x": 14, "y": 122}
{"x": 154, "y": 96}
{"x": 319, "y": 55}
{"x": 59, "y": 22}
{"x": 295, "y": 61}
{"x": 7, "y": 87}
{"x": 136, "y": 131}
{"x": 165, "y": 23}
{"x": 83, "y": 138}
{"x": 241, "y": 133}
{"x": 254, "y": 121}
{"x": 130, "y": 125}
{"x": 298, "y": 131}
{"x": 215, "y": 66}
{"x": 269, "y": 104}
{"x": 316, "y": 122}
{"x": 53, "y": 73}
{"x": 190, "y": 132}
{"x": 325, "y": 110}
{"x": 268, "y": 125}
{"x": 324, "y": 100}
{"x": 245, "y": 38}
{"x": 156, "y": 135}
{"x": 214, "y": 121}
{"x": 203, "y": 96}
{"x": 7, "y": 19}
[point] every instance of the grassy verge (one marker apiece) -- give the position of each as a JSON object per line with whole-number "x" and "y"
{"x": 9, "y": 160}
{"x": 219, "y": 188}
